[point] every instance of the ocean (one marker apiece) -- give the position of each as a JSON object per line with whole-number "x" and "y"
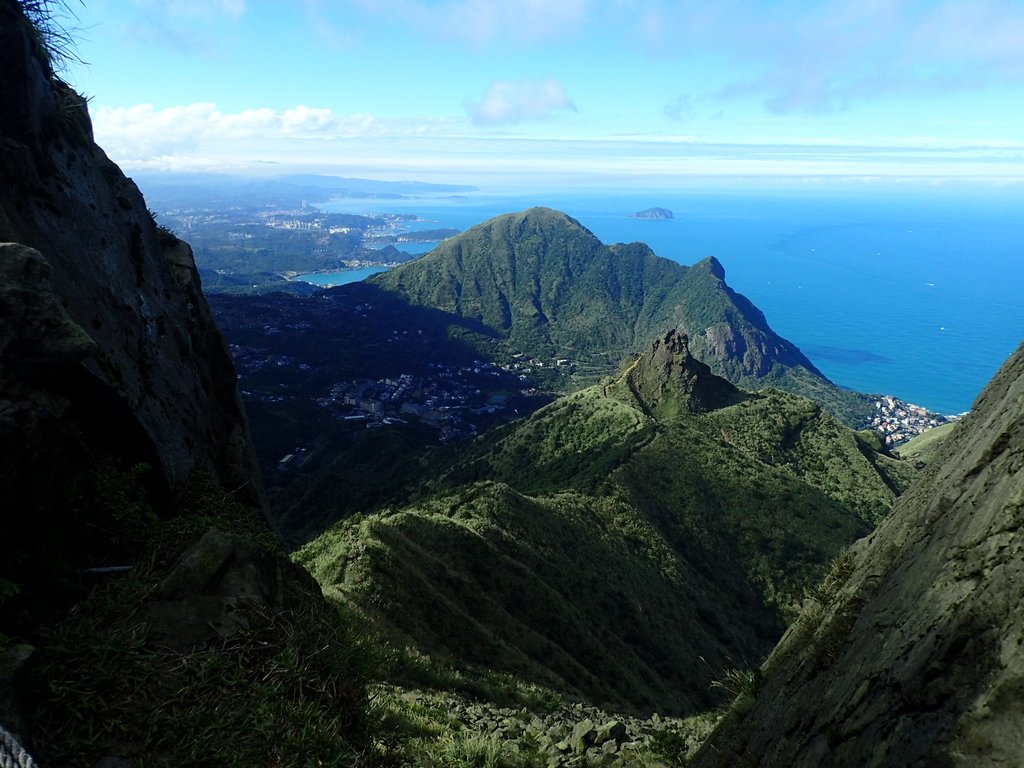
{"x": 918, "y": 294}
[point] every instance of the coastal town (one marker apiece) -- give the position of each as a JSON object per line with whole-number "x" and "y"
{"x": 393, "y": 377}
{"x": 257, "y": 249}
{"x": 452, "y": 400}
{"x": 457, "y": 402}
{"x": 899, "y": 421}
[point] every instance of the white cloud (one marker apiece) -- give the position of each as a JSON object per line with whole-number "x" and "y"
{"x": 799, "y": 56}
{"x": 141, "y": 130}
{"x": 509, "y": 101}
{"x": 142, "y": 134}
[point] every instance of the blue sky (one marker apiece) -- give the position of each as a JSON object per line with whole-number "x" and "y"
{"x": 509, "y": 92}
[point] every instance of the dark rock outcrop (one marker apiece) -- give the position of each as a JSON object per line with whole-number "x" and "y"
{"x": 669, "y": 380}
{"x": 913, "y": 655}
{"x": 123, "y": 438}
{"x": 109, "y": 355}
{"x": 38, "y": 334}
{"x": 216, "y": 586}
{"x": 131, "y": 287}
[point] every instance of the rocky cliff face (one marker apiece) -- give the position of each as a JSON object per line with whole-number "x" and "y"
{"x": 912, "y": 655}
{"x": 669, "y": 380}
{"x": 108, "y": 351}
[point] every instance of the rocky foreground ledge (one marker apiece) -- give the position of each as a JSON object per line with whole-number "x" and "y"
{"x": 569, "y": 735}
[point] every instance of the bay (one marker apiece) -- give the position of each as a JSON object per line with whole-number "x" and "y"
{"x": 339, "y": 277}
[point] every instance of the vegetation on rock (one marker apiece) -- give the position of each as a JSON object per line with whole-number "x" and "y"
{"x": 287, "y": 688}
{"x": 910, "y": 652}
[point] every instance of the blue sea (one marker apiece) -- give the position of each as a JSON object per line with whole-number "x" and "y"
{"x": 914, "y": 293}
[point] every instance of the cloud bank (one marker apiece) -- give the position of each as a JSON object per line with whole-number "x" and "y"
{"x": 144, "y": 135}
{"x": 200, "y": 136}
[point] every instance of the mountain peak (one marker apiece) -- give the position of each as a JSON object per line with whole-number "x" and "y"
{"x": 712, "y": 265}
{"x": 543, "y": 211}
{"x": 669, "y": 380}
{"x": 514, "y": 273}
{"x": 538, "y": 217}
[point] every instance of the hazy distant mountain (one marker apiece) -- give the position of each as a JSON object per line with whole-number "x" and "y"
{"x": 370, "y": 186}
{"x": 626, "y": 543}
{"x": 547, "y": 285}
{"x": 166, "y": 191}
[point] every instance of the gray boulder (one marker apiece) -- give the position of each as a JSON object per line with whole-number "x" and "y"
{"x": 218, "y": 585}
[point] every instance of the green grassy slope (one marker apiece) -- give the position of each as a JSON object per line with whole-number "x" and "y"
{"x": 925, "y": 446}
{"x": 611, "y": 554}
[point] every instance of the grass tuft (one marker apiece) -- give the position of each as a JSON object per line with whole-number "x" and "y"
{"x": 739, "y": 682}
{"x": 51, "y": 22}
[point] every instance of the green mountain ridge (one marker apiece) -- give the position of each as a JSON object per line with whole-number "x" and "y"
{"x": 625, "y": 544}
{"x": 544, "y": 283}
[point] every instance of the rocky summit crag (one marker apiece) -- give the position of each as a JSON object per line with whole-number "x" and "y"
{"x": 670, "y": 380}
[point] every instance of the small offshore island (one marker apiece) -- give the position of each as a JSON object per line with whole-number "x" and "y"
{"x": 653, "y": 213}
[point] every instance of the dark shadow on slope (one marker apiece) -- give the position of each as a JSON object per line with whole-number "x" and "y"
{"x": 292, "y": 350}
{"x": 537, "y": 588}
